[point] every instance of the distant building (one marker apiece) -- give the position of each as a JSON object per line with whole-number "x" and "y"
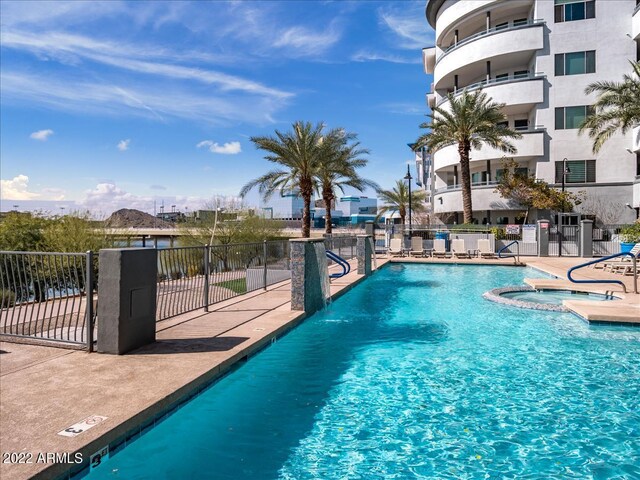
{"x": 348, "y": 210}
{"x": 172, "y": 217}
{"x": 283, "y": 205}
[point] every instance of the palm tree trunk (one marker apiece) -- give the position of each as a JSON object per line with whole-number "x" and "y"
{"x": 328, "y": 199}
{"x": 306, "y": 192}
{"x": 463, "y": 150}
{"x": 403, "y": 214}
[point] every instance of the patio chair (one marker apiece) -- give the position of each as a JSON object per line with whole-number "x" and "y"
{"x": 620, "y": 263}
{"x": 440, "y": 248}
{"x": 416, "y": 247}
{"x": 395, "y": 247}
{"x": 457, "y": 247}
{"x": 485, "y": 250}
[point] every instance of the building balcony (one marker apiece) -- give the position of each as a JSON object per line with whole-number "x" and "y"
{"x": 519, "y": 92}
{"x": 530, "y": 145}
{"x": 431, "y": 100}
{"x": 504, "y": 46}
{"x": 635, "y": 25}
{"x": 454, "y": 13}
{"x": 635, "y": 138}
{"x": 483, "y": 197}
{"x": 636, "y": 192}
{"x": 429, "y": 59}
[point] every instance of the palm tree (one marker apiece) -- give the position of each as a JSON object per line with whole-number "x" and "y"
{"x": 298, "y": 152}
{"x": 341, "y": 158}
{"x": 397, "y": 200}
{"x": 617, "y": 107}
{"x": 474, "y": 119}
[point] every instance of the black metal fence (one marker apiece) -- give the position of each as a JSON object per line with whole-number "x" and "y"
{"x": 190, "y": 278}
{"x": 48, "y": 296}
{"x": 343, "y": 246}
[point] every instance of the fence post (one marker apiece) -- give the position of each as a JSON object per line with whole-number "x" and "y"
{"x": 264, "y": 251}
{"x": 364, "y": 255}
{"x": 89, "y": 293}
{"x": 586, "y": 238}
{"x": 543, "y": 238}
{"x": 207, "y": 273}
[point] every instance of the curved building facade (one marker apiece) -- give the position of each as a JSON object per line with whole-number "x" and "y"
{"x": 537, "y": 57}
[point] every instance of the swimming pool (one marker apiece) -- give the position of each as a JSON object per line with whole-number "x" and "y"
{"x": 413, "y": 375}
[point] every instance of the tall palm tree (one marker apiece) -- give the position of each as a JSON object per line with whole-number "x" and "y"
{"x": 397, "y": 200}
{"x": 474, "y": 119}
{"x": 341, "y": 159}
{"x": 617, "y": 107}
{"x": 298, "y": 152}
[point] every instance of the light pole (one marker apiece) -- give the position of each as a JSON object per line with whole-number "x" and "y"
{"x": 565, "y": 170}
{"x": 408, "y": 178}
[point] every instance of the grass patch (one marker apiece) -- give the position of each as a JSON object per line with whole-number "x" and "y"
{"x": 238, "y": 285}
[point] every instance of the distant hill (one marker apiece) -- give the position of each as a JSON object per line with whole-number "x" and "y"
{"x": 130, "y": 218}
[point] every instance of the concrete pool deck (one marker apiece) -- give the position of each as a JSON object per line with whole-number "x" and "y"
{"x": 191, "y": 350}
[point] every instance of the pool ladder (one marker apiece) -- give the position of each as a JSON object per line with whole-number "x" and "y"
{"x": 634, "y": 259}
{"x": 346, "y": 268}
{"x": 516, "y": 256}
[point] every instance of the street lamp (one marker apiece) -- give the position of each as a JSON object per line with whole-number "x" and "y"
{"x": 408, "y": 178}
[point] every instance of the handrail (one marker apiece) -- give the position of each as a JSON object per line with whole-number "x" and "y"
{"x": 517, "y": 255}
{"x": 593, "y": 262}
{"x": 346, "y": 268}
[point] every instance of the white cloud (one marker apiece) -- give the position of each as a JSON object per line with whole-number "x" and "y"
{"x": 123, "y": 145}
{"x": 409, "y": 24}
{"x": 18, "y": 189}
{"x": 229, "y": 148}
{"x": 305, "y": 42}
{"x": 366, "y": 56}
{"x": 41, "y": 135}
{"x": 78, "y": 95}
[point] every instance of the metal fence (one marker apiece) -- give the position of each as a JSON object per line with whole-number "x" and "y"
{"x": 343, "y": 246}
{"x": 45, "y": 296}
{"x": 606, "y": 239}
{"x": 190, "y": 278}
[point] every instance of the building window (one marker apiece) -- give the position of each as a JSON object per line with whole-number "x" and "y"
{"x": 503, "y": 124}
{"x": 502, "y": 220}
{"x": 521, "y": 74}
{"x": 520, "y": 171}
{"x": 579, "y": 171}
{"x": 502, "y": 26}
{"x": 568, "y": 118}
{"x": 520, "y": 21}
{"x": 521, "y": 125}
{"x": 572, "y": 10}
{"x": 479, "y": 178}
{"x": 575, "y": 63}
{"x": 502, "y": 77}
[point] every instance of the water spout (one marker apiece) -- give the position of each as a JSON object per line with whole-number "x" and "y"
{"x": 373, "y": 253}
{"x": 323, "y": 269}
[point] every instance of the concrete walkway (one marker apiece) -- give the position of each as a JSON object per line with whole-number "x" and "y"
{"x": 45, "y": 390}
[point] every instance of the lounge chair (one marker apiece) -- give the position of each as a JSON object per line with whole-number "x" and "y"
{"x": 622, "y": 262}
{"x": 416, "y": 247}
{"x": 395, "y": 247}
{"x": 485, "y": 250}
{"x": 440, "y": 248}
{"x": 457, "y": 247}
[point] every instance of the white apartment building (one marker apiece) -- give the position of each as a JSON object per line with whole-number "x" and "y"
{"x": 537, "y": 57}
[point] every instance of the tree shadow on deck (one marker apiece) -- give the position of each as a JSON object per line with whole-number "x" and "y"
{"x": 190, "y": 345}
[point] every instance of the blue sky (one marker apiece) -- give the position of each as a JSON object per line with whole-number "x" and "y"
{"x": 116, "y": 104}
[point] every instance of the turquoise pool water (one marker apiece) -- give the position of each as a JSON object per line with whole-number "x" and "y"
{"x": 413, "y": 375}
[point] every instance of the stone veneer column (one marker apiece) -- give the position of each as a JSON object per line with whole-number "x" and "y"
{"x": 543, "y": 238}
{"x": 127, "y": 299}
{"x": 363, "y": 253}
{"x": 306, "y": 289}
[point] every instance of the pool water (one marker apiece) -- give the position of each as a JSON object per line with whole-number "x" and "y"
{"x": 554, "y": 297}
{"x": 412, "y": 374}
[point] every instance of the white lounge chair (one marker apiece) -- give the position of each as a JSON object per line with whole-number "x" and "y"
{"x": 621, "y": 263}
{"x": 416, "y": 247}
{"x": 485, "y": 250}
{"x": 457, "y": 247}
{"x": 395, "y": 247}
{"x": 440, "y": 248}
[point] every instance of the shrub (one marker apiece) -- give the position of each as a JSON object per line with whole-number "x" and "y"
{"x": 7, "y": 298}
{"x": 630, "y": 233}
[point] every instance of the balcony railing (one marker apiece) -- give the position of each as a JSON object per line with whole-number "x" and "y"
{"x": 458, "y": 186}
{"x": 490, "y": 31}
{"x": 494, "y": 81}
